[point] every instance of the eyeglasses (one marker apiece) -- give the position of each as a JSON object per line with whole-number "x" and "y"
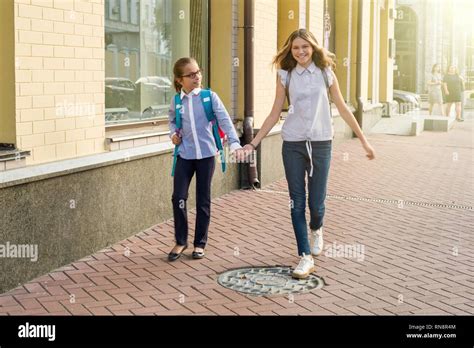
{"x": 193, "y": 75}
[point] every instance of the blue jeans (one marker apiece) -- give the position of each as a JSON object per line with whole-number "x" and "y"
{"x": 297, "y": 162}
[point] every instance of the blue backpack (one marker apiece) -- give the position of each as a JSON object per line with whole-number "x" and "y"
{"x": 211, "y": 117}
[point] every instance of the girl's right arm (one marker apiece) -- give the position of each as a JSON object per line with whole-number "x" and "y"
{"x": 272, "y": 118}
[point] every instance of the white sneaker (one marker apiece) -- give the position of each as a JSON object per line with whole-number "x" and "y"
{"x": 304, "y": 268}
{"x": 317, "y": 241}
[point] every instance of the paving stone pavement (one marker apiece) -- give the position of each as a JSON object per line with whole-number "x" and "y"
{"x": 411, "y": 210}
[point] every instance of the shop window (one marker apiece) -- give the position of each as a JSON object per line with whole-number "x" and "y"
{"x": 143, "y": 39}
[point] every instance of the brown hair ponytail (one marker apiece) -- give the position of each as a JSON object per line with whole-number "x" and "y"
{"x": 178, "y": 70}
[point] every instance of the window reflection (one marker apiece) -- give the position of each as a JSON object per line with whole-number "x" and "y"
{"x": 142, "y": 40}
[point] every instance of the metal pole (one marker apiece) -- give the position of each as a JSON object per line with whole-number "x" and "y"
{"x": 249, "y": 21}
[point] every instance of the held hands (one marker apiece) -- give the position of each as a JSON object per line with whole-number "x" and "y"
{"x": 175, "y": 139}
{"x": 248, "y": 149}
{"x": 242, "y": 155}
{"x": 239, "y": 155}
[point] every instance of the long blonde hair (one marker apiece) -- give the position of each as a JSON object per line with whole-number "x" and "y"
{"x": 321, "y": 57}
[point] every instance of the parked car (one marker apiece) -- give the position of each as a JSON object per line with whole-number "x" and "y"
{"x": 121, "y": 93}
{"x": 154, "y": 90}
{"x": 158, "y": 82}
{"x": 407, "y": 100}
{"x": 148, "y": 96}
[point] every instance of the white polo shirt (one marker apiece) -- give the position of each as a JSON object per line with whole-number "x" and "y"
{"x": 309, "y": 117}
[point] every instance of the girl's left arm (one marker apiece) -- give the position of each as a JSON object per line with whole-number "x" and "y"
{"x": 225, "y": 122}
{"x": 348, "y": 117}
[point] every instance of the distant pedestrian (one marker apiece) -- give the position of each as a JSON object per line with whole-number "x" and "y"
{"x": 435, "y": 85}
{"x": 454, "y": 88}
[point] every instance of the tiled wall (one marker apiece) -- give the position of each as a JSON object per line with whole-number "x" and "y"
{"x": 266, "y": 18}
{"x": 316, "y": 19}
{"x": 59, "y": 78}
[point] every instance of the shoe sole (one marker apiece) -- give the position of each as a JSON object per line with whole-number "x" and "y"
{"x": 303, "y": 276}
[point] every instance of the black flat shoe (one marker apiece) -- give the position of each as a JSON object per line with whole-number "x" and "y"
{"x": 198, "y": 254}
{"x": 174, "y": 256}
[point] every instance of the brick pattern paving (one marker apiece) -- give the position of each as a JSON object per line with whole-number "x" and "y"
{"x": 417, "y": 258}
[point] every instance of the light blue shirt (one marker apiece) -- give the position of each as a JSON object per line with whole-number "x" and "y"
{"x": 197, "y": 140}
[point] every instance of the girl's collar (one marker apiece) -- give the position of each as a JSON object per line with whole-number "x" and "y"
{"x": 195, "y": 91}
{"x": 300, "y": 69}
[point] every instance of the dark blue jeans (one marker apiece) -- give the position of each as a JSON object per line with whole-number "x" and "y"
{"x": 184, "y": 172}
{"x": 297, "y": 163}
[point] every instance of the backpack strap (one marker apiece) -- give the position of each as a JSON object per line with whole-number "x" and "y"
{"x": 178, "y": 109}
{"x": 326, "y": 81}
{"x": 207, "y": 104}
{"x": 287, "y": 87}
{"x": 211, "y": 117}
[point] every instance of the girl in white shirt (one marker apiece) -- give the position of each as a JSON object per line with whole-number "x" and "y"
{"x": 305, "y": 70}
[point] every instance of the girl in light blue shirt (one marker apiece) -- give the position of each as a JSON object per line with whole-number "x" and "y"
{"x": 196, "y": 154}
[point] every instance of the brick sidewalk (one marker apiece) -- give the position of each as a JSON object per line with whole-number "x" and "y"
{"x": 411, "y": 210}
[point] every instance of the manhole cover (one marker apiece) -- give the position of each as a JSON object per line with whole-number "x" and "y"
{"x": 267, "y": 281}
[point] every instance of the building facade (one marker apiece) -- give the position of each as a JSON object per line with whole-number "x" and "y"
{"x": 86, "y": 157}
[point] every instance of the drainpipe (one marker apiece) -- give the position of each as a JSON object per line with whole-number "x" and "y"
{"x": 249, "y": 21}
{"x": 360, "y": 103}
